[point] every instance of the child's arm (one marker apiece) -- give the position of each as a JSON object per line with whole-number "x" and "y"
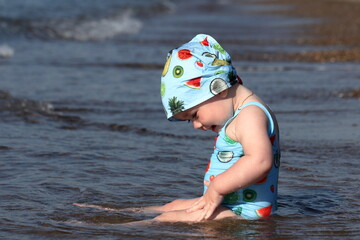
{"x": 250, "y": 129}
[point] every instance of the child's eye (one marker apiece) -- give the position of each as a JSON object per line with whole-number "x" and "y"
{"x": 194, "y": 116}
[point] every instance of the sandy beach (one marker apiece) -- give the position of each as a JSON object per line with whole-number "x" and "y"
{"x": 336, "y": 26}
{"x": 334, "y": 33}
{"x": 339, "y": 29}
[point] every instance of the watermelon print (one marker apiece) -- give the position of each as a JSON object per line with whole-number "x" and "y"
{"x": 205, "y": 42}
{"x": 262, "y": 180}
{"x": 264, "y": 212}
{"x": 184, "y": 54}
{"x": 212, "y": 178}
{"x": 194, "y": 83}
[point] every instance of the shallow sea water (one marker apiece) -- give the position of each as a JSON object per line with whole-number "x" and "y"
{"x": 81, "y": 122}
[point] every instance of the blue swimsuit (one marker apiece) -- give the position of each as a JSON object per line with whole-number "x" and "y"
{"x": 255, "y": 201}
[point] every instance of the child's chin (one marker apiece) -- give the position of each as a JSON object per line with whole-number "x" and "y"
{"x": 215, "y": 128}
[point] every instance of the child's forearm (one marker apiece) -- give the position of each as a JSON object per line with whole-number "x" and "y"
{"x": 245, "y": 172}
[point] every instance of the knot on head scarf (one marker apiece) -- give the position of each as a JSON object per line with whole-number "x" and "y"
{"x": 195, "y": 72}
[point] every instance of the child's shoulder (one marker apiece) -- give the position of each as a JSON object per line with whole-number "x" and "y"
{"x": 251, "y": 120}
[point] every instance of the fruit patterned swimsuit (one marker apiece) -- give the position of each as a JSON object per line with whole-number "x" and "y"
{"x": 258, "y": 200}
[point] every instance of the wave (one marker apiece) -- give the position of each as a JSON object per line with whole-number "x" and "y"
{"x": 86, "y": 24}
{"x": 8, "y": 103}
{"x": 32, "y": 111}
{"x": 99, "y": 29}
{"x": 6, "y": 51}
{"x": 79, "y": 29}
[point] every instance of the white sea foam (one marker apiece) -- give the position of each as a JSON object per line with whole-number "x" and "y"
{"x": 99, "y": 29}
{"x": 6, "y": 51}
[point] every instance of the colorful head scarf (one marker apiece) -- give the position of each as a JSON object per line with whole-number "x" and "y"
{"x": 195, "y": 72}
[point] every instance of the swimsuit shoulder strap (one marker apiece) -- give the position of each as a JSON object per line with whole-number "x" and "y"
{"x": 271, "y": 128}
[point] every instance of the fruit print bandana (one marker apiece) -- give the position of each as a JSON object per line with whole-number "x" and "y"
{"x": 193, "y": 73}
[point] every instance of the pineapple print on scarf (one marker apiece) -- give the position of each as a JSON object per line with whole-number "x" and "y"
{"x": 176, "y": 106}
{"x": 193, "y": 73}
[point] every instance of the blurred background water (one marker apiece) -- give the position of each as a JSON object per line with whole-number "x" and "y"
{"x": 81, "y": 121}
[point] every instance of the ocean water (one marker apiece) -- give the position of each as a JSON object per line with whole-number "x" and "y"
{"x": 81, "y": 122}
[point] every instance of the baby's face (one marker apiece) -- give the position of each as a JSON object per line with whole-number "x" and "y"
{"x": 209, "y": 115}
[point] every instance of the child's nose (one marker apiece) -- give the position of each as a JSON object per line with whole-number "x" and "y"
{"x": 198, "y": 125}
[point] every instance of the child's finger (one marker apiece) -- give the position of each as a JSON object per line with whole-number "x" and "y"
{"x": 203, "y": 214}
{"x": 206, "y": 183}
{"x": 196, "y": 206}
{"x": 196, "y": 203}
{"x": 210, "y": 212}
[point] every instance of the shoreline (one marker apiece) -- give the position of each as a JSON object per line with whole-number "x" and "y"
{"x": 338, "y": 30}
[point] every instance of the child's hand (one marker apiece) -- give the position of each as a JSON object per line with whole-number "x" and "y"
{"x": 207, "y": 203}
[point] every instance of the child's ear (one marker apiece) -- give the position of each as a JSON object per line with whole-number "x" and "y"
{"x": 223, "y": 94}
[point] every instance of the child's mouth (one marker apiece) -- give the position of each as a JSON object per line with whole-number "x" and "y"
{"x": 213, "y": 128}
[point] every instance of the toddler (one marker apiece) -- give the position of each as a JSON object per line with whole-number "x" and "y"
{"x": 199, "y": 84}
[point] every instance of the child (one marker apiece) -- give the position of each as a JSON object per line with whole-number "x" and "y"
{"x": 200, "y": 85}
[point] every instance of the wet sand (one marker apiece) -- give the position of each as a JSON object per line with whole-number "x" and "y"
{"x": 333, "y": 34}
{"x": 338, "y": 28}
{"x": 335, "y": 30}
